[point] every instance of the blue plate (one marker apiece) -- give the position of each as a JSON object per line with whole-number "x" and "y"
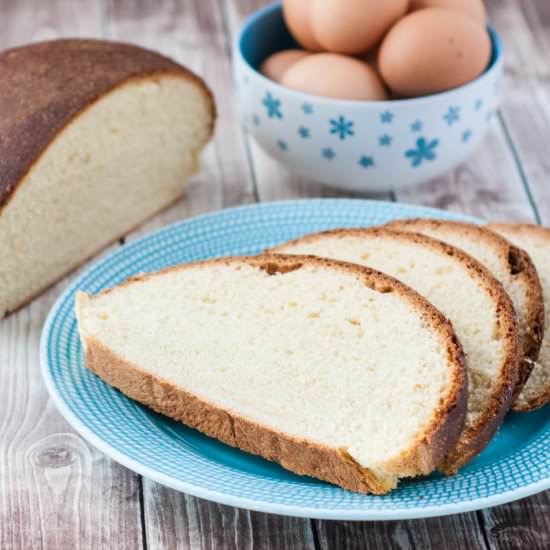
{"x": 516, "y": 463}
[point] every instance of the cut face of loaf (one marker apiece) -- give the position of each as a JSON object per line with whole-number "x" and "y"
{"x": 331, "y": 370}
{"x": 465, "y": 292}
{"x": 95, "y": 137}
{"x": 535, "y": 240}
{"x": 511, "y": 266}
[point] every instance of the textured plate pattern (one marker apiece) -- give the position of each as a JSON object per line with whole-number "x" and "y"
{"x": 516, "y": 464}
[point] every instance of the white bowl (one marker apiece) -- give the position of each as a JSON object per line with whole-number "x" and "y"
{"x": 358, "y": 145}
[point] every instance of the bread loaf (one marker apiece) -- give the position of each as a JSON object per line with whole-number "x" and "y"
{"x": 95, "y": 137}
{"x": 330, "y": 369}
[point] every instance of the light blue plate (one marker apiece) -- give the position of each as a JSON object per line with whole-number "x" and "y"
{"x": 516, "y": 463}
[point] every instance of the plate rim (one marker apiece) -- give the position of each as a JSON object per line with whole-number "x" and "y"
{"x": 240, "y": 502}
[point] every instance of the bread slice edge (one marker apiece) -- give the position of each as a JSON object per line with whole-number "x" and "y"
{"x": 521, "y": 268}
{"x": 542, "y": 397}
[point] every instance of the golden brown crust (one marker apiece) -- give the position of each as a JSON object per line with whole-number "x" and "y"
{"x": 542, "y": 397}
{"x": 520, "y": 268}
{"x": 475, "y": 437}
{"x": 298, "y": 455}
{"x": 44, "y": 86}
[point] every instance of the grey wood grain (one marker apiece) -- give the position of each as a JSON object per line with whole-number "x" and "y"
{"x": 186, "y": 522}
{"x": 525, "y": 30}
{"x": 462, "y": 531}
{"x": 56, "y": 491}
{"x": 519, "y": 525}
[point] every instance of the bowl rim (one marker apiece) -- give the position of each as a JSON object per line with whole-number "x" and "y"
{"x": 254, "y": 17}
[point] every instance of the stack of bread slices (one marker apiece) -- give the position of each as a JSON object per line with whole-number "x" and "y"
{"x": 357, "y": 356}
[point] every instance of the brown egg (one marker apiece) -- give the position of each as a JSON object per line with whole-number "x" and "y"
{"x": 353, "y": 26}
{"x": 275, "y": 65}
{"x": 433, "y": 50}
{"x": 297, "y": 15}
{"x": 334, "y": 75}
{"x": 473, "y": 8}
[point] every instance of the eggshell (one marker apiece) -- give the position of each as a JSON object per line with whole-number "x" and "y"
{"x": 297, "y": 16}
{"x": 473, "y": 8}
{"x": 275, "y": 65}
{"x": 433, "y": 50}
{"x": 353, "y": 26}
{"x": 334, "y": 75}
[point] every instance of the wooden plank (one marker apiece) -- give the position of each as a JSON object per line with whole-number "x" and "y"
{"x": 32, "y": 21}
{"x": 194, "y": 523}
{"x": 55, "y": 491}
{"x": 462, "y": 531}
{"x": 525, "y": 30}
{"x": 519, "y": 525}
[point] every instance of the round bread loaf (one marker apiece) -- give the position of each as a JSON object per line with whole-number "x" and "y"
{"x": 95, "y": 137}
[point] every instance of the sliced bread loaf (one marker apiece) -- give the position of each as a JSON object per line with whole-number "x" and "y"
{"x": 535, "y": 240}
{"x": 462, "y": 289}
{"x": 330, "y": 369}
{"x": 510, "y": 265}
{"x": 95, "y": 137}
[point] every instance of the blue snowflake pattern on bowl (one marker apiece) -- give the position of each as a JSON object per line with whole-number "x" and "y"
{"x": 304, "y": 132}
{"x": 273, "y": 106}
{"x": 341, "y": 127}
{"x": 452, "y": 115}
{"x": 417, "y": 126}
{"x": 425, "y": 150}
{"x": 386, "y": 117}
{"x": 328, "y": 153}
{"x": 366, "y": 161}
{"x": 385, "y": 140}
{"x": 282, "y": 145}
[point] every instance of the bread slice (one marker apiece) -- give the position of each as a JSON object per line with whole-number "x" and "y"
{"x": 535, "y": 240}
{"x": 95, "y": 137}
{"x": 331, "y": 370}
{"x": 510, "y": 265}
{"x": 463, "y": 290}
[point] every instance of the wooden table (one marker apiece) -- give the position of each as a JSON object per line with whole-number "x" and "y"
{"x": 56, "y": 491}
